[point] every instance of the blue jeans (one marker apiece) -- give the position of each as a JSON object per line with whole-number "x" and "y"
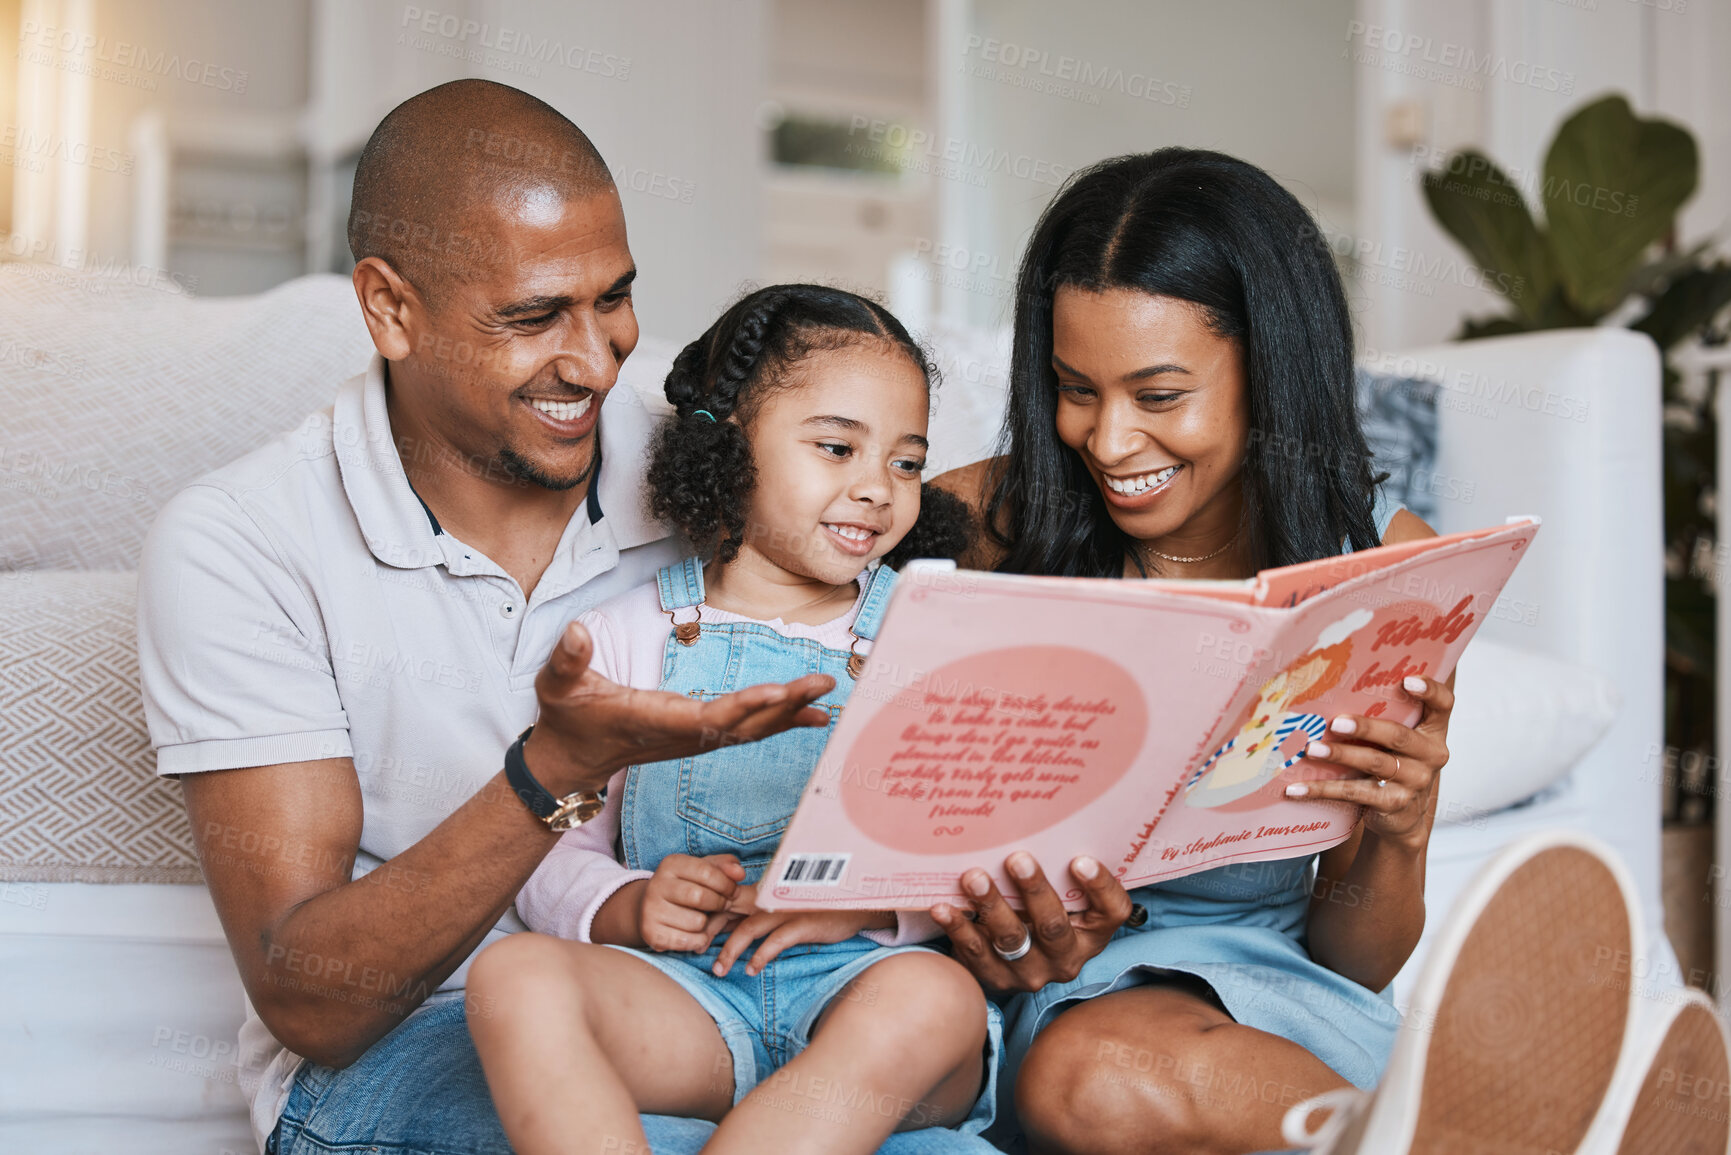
{"x": 420, "y": 1091}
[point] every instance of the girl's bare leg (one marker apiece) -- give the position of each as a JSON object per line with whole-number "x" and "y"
{"x": 577, "y": 1040}
{"x": 899, "y": 1049}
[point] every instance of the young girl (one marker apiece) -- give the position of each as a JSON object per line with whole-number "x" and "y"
{"x": 793, "y": 463}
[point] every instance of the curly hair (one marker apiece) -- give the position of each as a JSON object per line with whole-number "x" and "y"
{"x": 701, "y": 473}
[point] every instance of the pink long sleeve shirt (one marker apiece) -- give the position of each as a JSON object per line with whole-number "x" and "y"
{"x": 581, "y": 872}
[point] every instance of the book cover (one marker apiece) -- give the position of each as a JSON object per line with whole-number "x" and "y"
{"x": 1151, "y": 724}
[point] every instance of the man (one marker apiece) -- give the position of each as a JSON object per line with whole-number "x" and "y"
{"x": 343, "y": 633}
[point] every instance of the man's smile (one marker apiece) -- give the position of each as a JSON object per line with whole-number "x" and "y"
{"x": 565, "y": 417}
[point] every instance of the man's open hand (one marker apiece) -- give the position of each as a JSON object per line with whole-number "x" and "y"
{"x": 589, "y": 728}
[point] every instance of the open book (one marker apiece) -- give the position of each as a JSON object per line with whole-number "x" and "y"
{"x": 1154, "y": 725}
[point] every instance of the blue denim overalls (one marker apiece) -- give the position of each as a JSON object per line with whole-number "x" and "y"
{"x": 738, "y": 800}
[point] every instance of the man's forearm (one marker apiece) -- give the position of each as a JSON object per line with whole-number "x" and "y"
{"x": 345, "y": 966}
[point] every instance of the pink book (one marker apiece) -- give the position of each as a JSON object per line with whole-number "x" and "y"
{"x": 1154, "y": 725}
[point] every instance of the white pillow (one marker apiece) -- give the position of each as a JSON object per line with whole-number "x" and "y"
{"x": 79, "y": 797}
{"x": 114, "y": 396}
{"x": 1521, "y": 721}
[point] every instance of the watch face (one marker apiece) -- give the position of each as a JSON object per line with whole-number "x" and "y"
{"x": 574, "y": 810}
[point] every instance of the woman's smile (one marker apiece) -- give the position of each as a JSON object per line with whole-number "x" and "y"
{"x": 1136, "y": 490}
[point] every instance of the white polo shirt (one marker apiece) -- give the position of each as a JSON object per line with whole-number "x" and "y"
{"x": 303, "y": 603}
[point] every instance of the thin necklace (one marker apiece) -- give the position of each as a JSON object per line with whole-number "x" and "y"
{"x": 1204, "y": 557}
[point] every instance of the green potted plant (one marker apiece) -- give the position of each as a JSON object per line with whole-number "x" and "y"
{"x": 1604, "y": 249}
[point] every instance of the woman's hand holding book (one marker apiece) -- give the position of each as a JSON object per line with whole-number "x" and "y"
{"x": 1006, "y": 952}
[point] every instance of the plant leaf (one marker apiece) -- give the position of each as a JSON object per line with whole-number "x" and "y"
{"x": 1688, "y": 303}
{"x": 1473, "y": 328}
{"x": 1613, "y": 185}
{"x": 1483, "y": 210}
{"x": 1650, "y": 279}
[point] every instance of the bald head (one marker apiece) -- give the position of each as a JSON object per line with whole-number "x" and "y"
{"x": 445, "y": 170}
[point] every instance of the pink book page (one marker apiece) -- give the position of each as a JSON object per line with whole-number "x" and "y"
{"x": 1151, "y": 728}
{"x": 1244, "y": 592}
{"x": 1290, "y": 585}
{"x": 1000, "y": 712}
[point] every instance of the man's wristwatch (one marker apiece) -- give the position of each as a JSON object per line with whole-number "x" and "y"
{"x": 565, "y": 813}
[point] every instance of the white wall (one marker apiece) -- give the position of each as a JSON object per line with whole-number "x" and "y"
{"x": 668, "y": 90}
{"x": 1667, "y": 56}
{"x": 1284, "y": 83}
{"x": 1264, "y": 81}
{"x": 1691, "y": 65}
{"x": 846, "y": 62}
{"x": 195, "y": 64}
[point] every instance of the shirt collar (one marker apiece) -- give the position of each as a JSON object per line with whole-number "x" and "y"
{"x": 399, "y": 528}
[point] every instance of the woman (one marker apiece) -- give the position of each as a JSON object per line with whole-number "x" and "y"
{"x": 1181, "y": 406}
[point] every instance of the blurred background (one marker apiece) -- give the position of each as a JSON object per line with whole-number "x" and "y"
{"x": 903, "y": 146}
{"x": 1476, "y": 166}
{"x": 171, "y": 172}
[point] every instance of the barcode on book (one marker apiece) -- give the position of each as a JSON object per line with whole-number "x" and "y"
{"x": 816, "y": 869}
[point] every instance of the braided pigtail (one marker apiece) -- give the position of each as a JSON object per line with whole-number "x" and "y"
{"x": 701, "y": 472}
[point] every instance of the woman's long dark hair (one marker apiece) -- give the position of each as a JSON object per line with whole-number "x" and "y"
{"x": 1207, "y": 228}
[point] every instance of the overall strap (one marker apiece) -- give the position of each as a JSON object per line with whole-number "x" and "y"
{"x": 877, "y": 599}
{"x": 680, "y": 584}
{"x": 1383, "y": 511}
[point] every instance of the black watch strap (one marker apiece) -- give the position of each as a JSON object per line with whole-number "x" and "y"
{"x": 541, "y": 802}
{"x": 534, "y": 795}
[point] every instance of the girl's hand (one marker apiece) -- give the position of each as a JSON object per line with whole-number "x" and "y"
{"x": 781, "y": 929}
{"x": 1058, "y": 941}
{"x": 685, "y": 904}
{"x": 1397, "y": 766}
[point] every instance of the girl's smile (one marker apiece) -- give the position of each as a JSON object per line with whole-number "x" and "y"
{"x": 854, "y": 539}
